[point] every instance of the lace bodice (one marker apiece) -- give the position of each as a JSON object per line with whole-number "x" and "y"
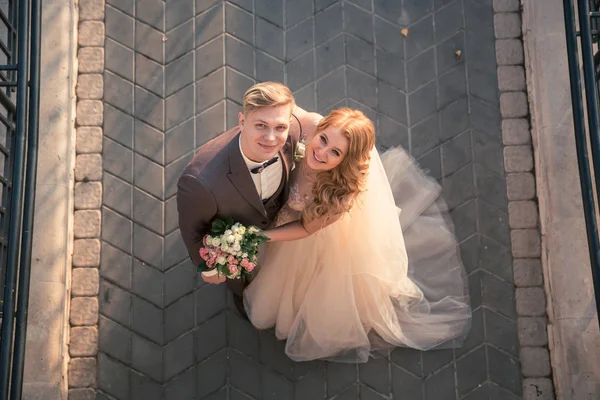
{"x": 297, "y": 200}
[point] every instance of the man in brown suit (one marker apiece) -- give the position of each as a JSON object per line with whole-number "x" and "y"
{"x": 243, "y": 173}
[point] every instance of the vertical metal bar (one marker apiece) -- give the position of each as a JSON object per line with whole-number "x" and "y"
{"x": 16, "y": 386}
{"x": 581, "y": 143}
{"x": 14, "y": 232}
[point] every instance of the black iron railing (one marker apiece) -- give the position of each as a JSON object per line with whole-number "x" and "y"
{"x": 586, "y": 120}
{"x": 20, "y": 25}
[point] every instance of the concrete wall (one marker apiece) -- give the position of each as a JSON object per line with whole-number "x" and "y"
{"x": 46, "y": 353}
{"x": 573, "y": 323}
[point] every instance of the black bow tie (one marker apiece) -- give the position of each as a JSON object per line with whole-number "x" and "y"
{"x": 264, "y": 165}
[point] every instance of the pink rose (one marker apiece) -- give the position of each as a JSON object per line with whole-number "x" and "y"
{"x": 204, "y": 240}
{"x": 250, "y": 267}
{"x": 232, "y": 260}
{"x": 233, "y": 269}
{"x": 245, "y": 262}
{"x": 204, "y": 253}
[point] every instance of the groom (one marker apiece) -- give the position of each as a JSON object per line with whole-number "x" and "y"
{"x": 243, "y": 173}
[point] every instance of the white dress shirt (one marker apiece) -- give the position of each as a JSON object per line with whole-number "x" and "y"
{"x": 268, "y": 181}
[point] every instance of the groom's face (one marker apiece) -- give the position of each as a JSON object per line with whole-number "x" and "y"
{"x": 264, "y": 131}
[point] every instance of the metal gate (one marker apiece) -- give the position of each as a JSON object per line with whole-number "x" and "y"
{"x": 585, "y": 35}
{"x": 20, "y": 24}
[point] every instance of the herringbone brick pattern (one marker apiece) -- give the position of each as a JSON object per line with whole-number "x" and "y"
{"x": 176, "y": 71}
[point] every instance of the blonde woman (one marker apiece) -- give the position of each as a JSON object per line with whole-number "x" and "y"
{"x": 360, "y": 258}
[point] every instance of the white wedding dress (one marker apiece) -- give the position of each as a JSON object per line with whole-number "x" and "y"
{"x": 387, "y": 274}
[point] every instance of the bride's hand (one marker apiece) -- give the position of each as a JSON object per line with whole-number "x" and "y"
{"x": 214, "y": 279}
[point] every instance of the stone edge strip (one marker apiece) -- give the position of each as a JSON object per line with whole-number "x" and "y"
{"x": 83, "y": 343}
{"x": 523, "y": 211}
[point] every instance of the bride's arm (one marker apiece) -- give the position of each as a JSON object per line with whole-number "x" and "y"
{"x": 299, "y": 230}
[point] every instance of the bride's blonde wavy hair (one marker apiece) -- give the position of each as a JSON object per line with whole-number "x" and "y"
{"x": 335, "y": 190}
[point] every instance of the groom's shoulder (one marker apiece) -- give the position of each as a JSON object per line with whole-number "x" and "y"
{"x": 212, "y": 157}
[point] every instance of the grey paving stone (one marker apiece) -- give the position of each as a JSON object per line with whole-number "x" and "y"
{"x": 147, "y": 320}
{"x": 149, "y": 142}
{"x": 420, "y": 70}
{"x": 116, "y": 229}
{"x": 331, "y": 89}
{"x": 175, "y": 250}
{"x": 118, "y": 59}
{"x": 182, "y": 386}
{"x": 209, "y": 57}
{"x": 177, "y": 11}
{"x": 330, "y": 56}
{"x": 147, "y": 246}
{"x": 209, "y": 24}
{"x": 469, "y": 371}
{"x": 180, "y": 107}
{"x": 269, "y": 68}
{"x": 425, "y": 136}
{"x": 390, "y": 68}
{"x": 203, "y": 5}
{"x": 245, "y": 374}
{"x": 269, "y": 38}
{"x": 358, "y": 22}
{"x": 423, "y": 103}
{"x": 271, "y": 11}
{"x": 328, "y": 23}
{"x": 239, "y": 23}
{"x": 119, "y": 26}
{"x": 360, "y": 54}
{"x": 305, "y": 97}
{"x": 322, "y": 4}
{"x": 505, "y": 370}
{"x": 118, "y": 194}
{"x": 452, "y": 86}
{"x": 118, "y": 92}
{"x": 239, "y": 55}
{"x": 210, "y": 123}
{"x": 392, "y": 102}
{"x": 212, "y": 374}
{"x": 181, "y": 40}
{"x": 465, "y": 219}
{"x": 114, "y": 339}
{"x": 299, "y": 39}
{"x": 179, "y": 141}
{"x": 115, "y": 303}
{"x": 148, "y": 176}
{"x": 149, "y": 74}
{"x": 148, "y": 211}
{"x": 149, "y": 41}
{"x": 151, "y": 12}
{"x": 113, "y": 377}
{"x": 118, "y": 126}
{"x": 123, "y": 5}
{"x": 301, "y": 71}
{"x": 147, "y": 357}
{"x": 391, "y": 133}
{"x": 361, "y": 87}
{"x": 147, "y": 282}
{"x": 179, "y": 318}
{"x": 179, "y": 74}
{"x": 440, "y": 385}
{"x": 145, "y": 388}
{"x": 457, "y": 153}
{"x": 296, "y": 11}
{"x": 339, "y": 377}
{"x": 115, "y": 265}
{"x": 405, "y": 384}
{"x": 236, "y": 85}
{"x": 499, "y": 296}
{"x": 172, "y": 173}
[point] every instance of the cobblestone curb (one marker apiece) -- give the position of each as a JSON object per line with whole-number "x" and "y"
{"x": 522, "y": 207}
{"x": 83, "y": 337}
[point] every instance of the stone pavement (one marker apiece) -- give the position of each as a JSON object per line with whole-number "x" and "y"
{"x": 174, "y": 76}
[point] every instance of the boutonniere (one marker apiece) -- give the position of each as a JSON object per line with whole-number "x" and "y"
{"x": 299, "y": 152}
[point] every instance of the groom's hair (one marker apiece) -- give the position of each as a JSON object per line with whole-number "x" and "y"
{"x": 268, "y": 94}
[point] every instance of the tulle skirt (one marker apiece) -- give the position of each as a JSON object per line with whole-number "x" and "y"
{"x": 387, "y": 274}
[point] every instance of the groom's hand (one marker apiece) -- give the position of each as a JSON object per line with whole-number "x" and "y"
{"x": 214, "y": 279}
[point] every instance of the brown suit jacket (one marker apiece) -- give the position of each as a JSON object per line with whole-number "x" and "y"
{"x": 217, "y": 184}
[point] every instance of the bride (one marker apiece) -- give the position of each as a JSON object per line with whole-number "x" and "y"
{"x": 361, "y": 258}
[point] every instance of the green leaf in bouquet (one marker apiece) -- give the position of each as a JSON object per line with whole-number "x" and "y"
{"x": 202, "y": 266}
{"x": 228, "y": 223}
{"x": 218, "y": 226}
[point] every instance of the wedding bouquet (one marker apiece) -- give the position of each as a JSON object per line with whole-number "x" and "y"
{"x": 231, "y": 250}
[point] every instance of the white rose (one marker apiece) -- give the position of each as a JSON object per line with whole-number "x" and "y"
{"x": 221, "y": 260}
{"x": 242, "y": 230}
{"x": 224, "y": 246}
{"x": 245, "y": 255}
{"x": 227, "y": 232}
{"x": 238, "y": 237}
{"x": 240, "y": 254}
{"x": 252, "y": 229}
{"x": 216, "y": 241}
{"x": 237, "y": 247}
{"x": 231, "y": 238}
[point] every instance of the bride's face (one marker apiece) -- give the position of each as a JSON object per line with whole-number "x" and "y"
{"x": 327, "y": 149}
